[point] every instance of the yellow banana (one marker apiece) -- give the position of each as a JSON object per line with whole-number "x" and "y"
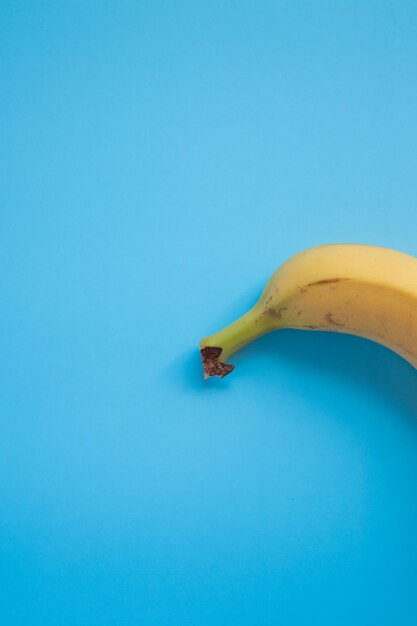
{"x": 361, "y": 290}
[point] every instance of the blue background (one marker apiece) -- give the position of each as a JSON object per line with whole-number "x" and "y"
{"x": 158, "y": 161}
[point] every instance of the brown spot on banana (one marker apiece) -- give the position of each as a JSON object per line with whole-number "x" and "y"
{"x": 329, "y": 318}
{"x": 326, "y": 281}
{"x": 275, "y": 313}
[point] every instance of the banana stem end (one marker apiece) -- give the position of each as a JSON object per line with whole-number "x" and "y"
{"x": 211, "y": 364}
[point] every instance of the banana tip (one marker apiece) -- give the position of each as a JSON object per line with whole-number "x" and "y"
{"x": 211, "y": 364}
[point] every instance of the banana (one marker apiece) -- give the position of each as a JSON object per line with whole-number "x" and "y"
{"x": 361, "y": 290}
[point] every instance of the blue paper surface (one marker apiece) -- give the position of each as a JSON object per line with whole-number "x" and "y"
{"x": 159, "y": 160}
